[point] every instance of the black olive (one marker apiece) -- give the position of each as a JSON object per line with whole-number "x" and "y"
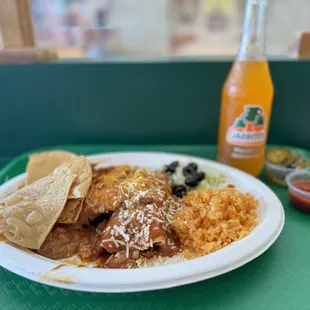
{"x": 193, "y": 166}
{"x": 190, "y": 169}
{"x": 200, "y": 176}
{"x": 192, "y": 181}
{"x": 179, "y": 190}
{"x": 171, "y": 167}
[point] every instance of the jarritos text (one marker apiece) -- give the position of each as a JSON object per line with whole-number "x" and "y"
{"x": 249, "y": 129}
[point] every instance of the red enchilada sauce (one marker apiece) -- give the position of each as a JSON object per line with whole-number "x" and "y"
{"x": 301, "y": 202}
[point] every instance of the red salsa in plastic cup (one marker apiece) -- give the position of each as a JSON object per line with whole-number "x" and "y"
{"x": 299, "y": 190}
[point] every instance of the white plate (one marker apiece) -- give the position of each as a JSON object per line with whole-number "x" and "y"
{"x": 34, "y": 267}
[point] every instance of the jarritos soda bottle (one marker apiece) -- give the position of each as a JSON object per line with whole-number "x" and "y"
{"x": 247, "y": 98}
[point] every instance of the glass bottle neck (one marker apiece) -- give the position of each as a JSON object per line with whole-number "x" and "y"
{"x": 252, "y": 45}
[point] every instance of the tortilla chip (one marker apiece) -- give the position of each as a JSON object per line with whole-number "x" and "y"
{"x": 97, "y": 162}
{"x": 82, "y": 168}
{"x": 71, "y": 211}
{"x": 3, "y": 239}
{"x": 30, "y": 213}
{"x": 10, "y": 192}
{"x": 43, "y": 164}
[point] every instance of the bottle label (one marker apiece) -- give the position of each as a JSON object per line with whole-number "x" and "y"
{"x": 249, "y": 128}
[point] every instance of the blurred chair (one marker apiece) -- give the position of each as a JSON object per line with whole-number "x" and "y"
{"x": 18, "y": 42}
{"x": 304, "y": 45}
{"x": 16, "y": 23}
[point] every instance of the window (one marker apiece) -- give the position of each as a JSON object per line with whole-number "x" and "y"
{"x": 107, "y": 28}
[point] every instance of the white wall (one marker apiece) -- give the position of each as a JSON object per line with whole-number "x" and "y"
{"x": 285, "y": 18}
{"x": 143, "y": 25}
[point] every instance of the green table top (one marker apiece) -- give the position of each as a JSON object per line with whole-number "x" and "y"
{"x": 3, "y": 162}
{"x": 278, "y": 279}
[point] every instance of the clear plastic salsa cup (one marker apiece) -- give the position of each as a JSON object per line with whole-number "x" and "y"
{"x": 288, "y": 162}
{"x": 299, "y": 189}
{"x": 277, "y": 174}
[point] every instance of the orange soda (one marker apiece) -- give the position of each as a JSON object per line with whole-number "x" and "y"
{"x": 247, "y": 98}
